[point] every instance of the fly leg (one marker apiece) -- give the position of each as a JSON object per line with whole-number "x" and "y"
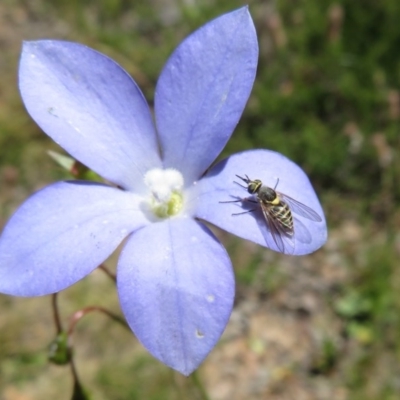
{"x": 248, "y": 199}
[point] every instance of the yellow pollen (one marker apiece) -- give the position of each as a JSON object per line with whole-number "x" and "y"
{"x": 169, "y": 208}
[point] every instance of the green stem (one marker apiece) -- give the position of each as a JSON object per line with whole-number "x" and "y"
{"x": 56, "y": 313}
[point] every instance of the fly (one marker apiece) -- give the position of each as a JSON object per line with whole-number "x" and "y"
{"x": 277, "y": 209}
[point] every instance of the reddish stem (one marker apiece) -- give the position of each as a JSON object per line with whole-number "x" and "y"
{"x": 81, "y": 313}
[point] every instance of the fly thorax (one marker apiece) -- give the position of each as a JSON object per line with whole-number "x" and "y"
{"x": 166, "y": 188}
{"x": 269, "y": 195}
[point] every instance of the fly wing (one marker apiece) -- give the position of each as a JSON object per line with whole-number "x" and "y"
{"x": 280, "y": 235}
{"x": 300, "y": 208}
{"x": 302, "y": 234}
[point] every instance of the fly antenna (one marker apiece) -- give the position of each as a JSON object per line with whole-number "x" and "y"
{"x": 244, "y": 180}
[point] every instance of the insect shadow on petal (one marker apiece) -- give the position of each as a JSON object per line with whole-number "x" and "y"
{"x": 277, "y": 222}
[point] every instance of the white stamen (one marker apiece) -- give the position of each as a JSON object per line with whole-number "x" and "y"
{"x": 166, "y": 187}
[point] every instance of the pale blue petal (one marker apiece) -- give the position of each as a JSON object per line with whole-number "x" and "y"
{"x": 62, "y": 233}
{"x": 176, "y": 289}
{"x": 91, "y": 107}
{"x": 203, "y": 90}
{"x": 219, "y": 185}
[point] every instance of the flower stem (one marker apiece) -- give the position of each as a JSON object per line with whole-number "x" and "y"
{"x": 78, "y": 390}
{"x": 56, "y": 313}
{"x": 108, "y": 272}
{"x": 81, "y": 313}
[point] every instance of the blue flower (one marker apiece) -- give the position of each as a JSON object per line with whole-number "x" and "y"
{"x": 174, "y": 278}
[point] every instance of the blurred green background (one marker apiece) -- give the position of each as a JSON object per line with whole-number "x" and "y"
{"x": 324, "y": 326}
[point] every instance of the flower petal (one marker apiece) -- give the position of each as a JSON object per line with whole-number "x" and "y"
{"x": 203, "y": 90}
{"x": 219, "y": 185}
{"x": 91, "y": 107}
{"x": 176, "y": 288}
{"x": 62, "y": 233}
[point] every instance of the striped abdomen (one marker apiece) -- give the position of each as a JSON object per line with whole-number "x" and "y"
{"x": 282, "y": 214}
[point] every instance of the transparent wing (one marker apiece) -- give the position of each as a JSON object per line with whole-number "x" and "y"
{"x": 300, "y": 208}
{"x": 301, "y": 233}
{"x": 282, "y": 238}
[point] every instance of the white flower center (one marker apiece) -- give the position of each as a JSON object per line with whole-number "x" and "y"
{"x": 165, "y": 187}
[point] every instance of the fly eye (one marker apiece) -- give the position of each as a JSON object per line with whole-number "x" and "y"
{"x": 252, "y": 188}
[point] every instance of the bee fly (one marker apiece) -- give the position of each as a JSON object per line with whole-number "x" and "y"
{"x": 277, "y": 210}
